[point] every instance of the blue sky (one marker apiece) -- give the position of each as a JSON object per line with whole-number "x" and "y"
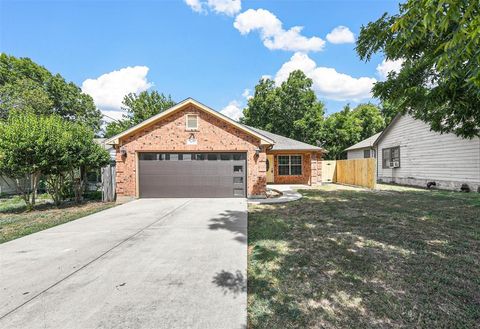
{"x": 212, "y": 50}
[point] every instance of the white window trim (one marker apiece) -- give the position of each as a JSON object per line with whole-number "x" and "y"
{"x": 186, "y": 122}
{"x": 289, "y": 164}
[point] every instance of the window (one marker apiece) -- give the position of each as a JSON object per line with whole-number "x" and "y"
{"x": 148, "y": 156}
{"x": 366, "y": 154}
{"x": 390, "y": 156}
{"x": 237, "y": 180}
{"x": 212, "y": 156}
{"x": 290, "y": 165}
{"x": 238, "y": 169}
{"x": 192, "y": 122}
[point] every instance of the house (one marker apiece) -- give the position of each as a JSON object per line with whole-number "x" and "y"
{"x": 191, "y": 150}
{"x": 363, "y": 149}
{"x": 410, "y": 153}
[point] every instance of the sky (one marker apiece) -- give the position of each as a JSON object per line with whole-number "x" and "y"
{"x": 215, "y": 51}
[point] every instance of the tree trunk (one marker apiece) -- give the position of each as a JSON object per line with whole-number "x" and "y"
{"x": 35, "y": 179}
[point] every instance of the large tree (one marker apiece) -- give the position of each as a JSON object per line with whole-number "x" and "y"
{"x": 291, "y": 109}
{"x": 32, "y": 146}
{"x": 348, "y": 127}
{"x": 439, "y": 44}
{"x": 139, "y": 108}
{"x": 24, "y": 85}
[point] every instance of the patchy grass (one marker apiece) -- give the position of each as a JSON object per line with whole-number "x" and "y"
{"x": 16, "y": 222}
{"x": 350, "y": 258}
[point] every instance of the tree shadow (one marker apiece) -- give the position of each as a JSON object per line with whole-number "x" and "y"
{"x": 234, "y": 283}
{"x": 233, "y": 221}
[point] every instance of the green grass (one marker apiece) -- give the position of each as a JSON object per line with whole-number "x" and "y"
{"x": 351, "y": 258}
{"x": 16, "y": 222}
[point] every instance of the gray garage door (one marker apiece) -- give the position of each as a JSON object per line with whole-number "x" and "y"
{"x": 192, "y": 175}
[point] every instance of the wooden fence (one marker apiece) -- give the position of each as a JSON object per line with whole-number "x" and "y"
{"x": 359, "y": 172}
{"x": 328, "y": 171}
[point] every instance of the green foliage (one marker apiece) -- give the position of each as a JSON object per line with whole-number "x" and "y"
{"x": 28, "y": 86}
{"x": 348, "y": 127}
{"x": 139, "y": 108}
{"x": 33, "y": 145}
{"x": 23, "y": 95}
{"x": 439, "y": 42}
{"x": 291, "y": 109}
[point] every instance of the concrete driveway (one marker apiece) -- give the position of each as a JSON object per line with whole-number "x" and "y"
{"x": 150, "y": 263}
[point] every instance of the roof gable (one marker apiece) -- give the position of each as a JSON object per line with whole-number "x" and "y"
{"x": 265, "y": 140}
{"x": 368, "y": 142}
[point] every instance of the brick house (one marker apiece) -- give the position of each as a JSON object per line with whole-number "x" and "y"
{"x": 191, "y": 150}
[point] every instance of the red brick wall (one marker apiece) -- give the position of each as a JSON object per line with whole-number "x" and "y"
{"x": 170, "y": 135}
{"x": 311, "y": 170}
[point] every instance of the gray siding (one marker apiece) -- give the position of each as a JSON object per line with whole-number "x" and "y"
{"x": 355, "y": 154}
{"x": 427, "y": 156}
{"x": 358, "y": 153}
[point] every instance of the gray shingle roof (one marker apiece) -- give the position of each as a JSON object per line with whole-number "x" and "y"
{"x": 365, "y": 143}
{"x": 284, "y": 143}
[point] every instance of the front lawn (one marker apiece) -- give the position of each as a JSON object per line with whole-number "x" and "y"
{"x": 16, "y": 222}
{"x": 351, "y": 258}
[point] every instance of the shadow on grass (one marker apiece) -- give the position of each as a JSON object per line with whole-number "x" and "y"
{"x": 362, "y": 259}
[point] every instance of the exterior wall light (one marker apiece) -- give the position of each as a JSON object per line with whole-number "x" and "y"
{"x": 123, "y": 151}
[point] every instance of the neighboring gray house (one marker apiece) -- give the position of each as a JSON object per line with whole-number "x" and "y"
{"x": 410, "y": 153}
{"x": 363, "y": 149}
{"x": 7, "y": 186}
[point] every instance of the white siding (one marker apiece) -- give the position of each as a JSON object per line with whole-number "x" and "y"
{"x": 355, "y": 154}
{"x": 427, "y": 156}
{"x": 358, "y": 153}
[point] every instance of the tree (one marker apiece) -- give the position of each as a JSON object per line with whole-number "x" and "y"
{"x": 28, "y": 148}
{"x": 139, "y": 108}
{"x": 370, "y": 119}
{"x": 439, "y": 44}
{"x": 262, "y": 107}
{"x": 23, "y": 95}
{"x": 34, "y": 145}
{"x": 291, "y": 109}
{"x": 21, "y": 79}
{"x": 348, "y": 127}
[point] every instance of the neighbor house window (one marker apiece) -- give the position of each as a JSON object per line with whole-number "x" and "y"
{"x": 192, "y": 122}
{"x": 366, "y": 154}
{"x": 289, "y": 165}
{"x": 391, "y": 157}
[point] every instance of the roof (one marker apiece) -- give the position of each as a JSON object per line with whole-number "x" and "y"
{"x": 369, "y": 142}
{"x": 283, "y": 143}
{"x": 115, "y": 139}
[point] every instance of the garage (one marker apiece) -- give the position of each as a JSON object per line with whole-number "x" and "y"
{"x": 192, "y": 175}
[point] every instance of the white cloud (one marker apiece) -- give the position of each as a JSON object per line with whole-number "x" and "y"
{"x": 247, "y": 94}
{"x": 387, "y": 66}
{"x": 233, "y": 110}
{"x": 327, "y": 82}
{"x": 108, "y": 90}
{"x": 196, "y": 5}
{"x": 272, "y": 33}
{"x": 109, "y": 116}
{"x": 227, "y": 7}
{"x": 341, "y": 34}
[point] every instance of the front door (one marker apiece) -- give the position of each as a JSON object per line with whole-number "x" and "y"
{"x": 270, "y": 165}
